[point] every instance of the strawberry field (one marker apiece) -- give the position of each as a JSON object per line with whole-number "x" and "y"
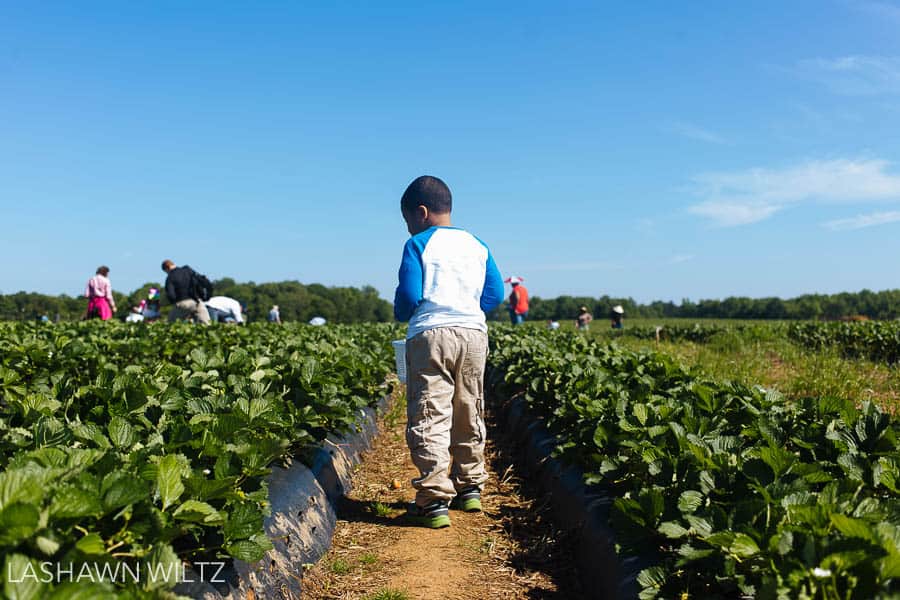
{"x": 874, "y": 340}
{"x": 727, "y": 490}
{"x": 149, "y": 446}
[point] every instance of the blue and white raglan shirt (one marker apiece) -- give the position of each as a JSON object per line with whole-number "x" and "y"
{"x": 448, "y": 278}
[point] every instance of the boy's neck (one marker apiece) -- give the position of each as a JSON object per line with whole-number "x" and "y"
{"x": 438, "y": 220}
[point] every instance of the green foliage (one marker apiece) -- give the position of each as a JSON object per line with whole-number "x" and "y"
{"x": 875, "y": 305}
{"x": 734, "y": 491}
{"x": 296, "y": 301}
{"x": 151, "y": 444}
{"x": 874, "y": 340}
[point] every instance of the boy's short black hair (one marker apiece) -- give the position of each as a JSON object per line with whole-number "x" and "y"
{"x": 427, "y": 191}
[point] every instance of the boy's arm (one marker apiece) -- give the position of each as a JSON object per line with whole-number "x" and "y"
{"x": 492, "y": 293}
{"x": 409, "y": 290}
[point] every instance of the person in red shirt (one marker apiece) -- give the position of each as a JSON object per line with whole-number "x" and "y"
{"x": 518, "y": 301}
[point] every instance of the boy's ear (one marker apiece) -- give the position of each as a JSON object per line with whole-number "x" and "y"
{"x": 422, "y": 213}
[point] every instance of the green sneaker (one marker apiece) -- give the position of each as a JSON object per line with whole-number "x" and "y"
{"x": 433, "y": 515}
{"x": 467, "y": 500}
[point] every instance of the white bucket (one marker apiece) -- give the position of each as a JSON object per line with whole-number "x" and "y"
{"x": 400, "y": 358}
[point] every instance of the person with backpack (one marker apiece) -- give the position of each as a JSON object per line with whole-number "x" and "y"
{"x": 187, "y": 290}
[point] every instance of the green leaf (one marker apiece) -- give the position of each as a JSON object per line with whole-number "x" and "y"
{"x": 71, "y": 501}
{"x": 18, "y": 522}
{"x": 652, "y": 578}
{"x": 652, "y": 503}
{"x": 162, "y": 567}
{"x": 707, "y": 482}
{"x": 84, "y": 590}
{"x": 699, "y": 525}
{"x": 783, "y": 542}
{"x": 246, "y": 550}
{"x": 672, "y": 530}
{"x": 601, "y": 436}
{"x": 778, "y": 459}
{"x": 121, "y": 432}
{"x": 890, "y": 567}
{"x": 244, "y": 521}
{"x": 120, "y": 488}
{"x": 689, "y": 501}
{"x": 743, "y": 546}
{"x": 23, "y": 579}
{"x": 640, "y": 413}
{"x": 198, "y": 512}
{"x": 854, "y": 528}
{"x": 852, "y": 466}
{"x": 689, "y": 554}
{"x": 168, "y": 480}
{"x": 91, "y": 544}
{"x": 24, "y": 485}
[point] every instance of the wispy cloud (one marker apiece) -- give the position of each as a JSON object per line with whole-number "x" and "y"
{"x": 680, "y": 258}
{"x": 695, "y": 132}
{"x": 752, "y": 195}
{"x": 861, "y": 221}
{"x": 855, "y": 75}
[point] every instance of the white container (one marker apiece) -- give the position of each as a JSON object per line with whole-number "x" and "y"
{"x": 400, "y": 358}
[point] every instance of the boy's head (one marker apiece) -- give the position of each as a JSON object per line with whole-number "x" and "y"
{"x": 425, "y": 203}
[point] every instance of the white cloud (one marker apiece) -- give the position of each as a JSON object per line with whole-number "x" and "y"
{"x": 861, "y": 221}
{"x": 752, "y": 195}
{"x": 729, "y": 214}
{"x": 694, "y": 132}
{"x": 855, "y": 75}
{"x": 680, "y": 258}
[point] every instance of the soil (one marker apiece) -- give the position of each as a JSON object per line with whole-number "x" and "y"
{"x": 509, "y": 551}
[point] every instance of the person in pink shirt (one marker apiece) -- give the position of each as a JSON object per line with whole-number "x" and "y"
{"x": 98, "y": 291}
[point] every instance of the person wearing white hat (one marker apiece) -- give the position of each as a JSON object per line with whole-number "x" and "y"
{"x": 616, "y": 315}
{"x": 518, "y": 300}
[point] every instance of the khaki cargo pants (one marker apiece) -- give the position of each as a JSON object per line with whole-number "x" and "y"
{"x": 189, "y": 308}
{"x": 445, "y": 428}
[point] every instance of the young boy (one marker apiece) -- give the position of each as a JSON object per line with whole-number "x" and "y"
{"x": 448, "y": 280}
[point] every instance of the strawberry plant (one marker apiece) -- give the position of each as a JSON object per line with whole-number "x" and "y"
{"x": 874, "y": 340}
{"x": 732, "y": 491}
{"x": 149, "y": 445}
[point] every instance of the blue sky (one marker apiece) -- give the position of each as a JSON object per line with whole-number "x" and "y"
{"x": 653, "y": 150}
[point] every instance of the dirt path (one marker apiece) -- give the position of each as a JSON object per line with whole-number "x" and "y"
{"x": 510, "y": 551}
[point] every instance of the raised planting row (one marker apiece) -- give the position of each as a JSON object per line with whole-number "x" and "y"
{"x": 728, "y": 491}
{"x": 873, "y": 340}
{"x": 133, "y": 449}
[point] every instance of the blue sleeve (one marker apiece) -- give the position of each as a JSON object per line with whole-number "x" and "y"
{"x": 492, "y": 294}
{"x": 409, "y": 290}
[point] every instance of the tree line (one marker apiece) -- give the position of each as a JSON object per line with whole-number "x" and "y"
{"x": 301, "y": 302}
{"x": 296, "y": 302}
{"x": 874, "y": 305}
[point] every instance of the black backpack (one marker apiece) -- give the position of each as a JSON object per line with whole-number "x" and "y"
{"x": 201, "y": 287}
